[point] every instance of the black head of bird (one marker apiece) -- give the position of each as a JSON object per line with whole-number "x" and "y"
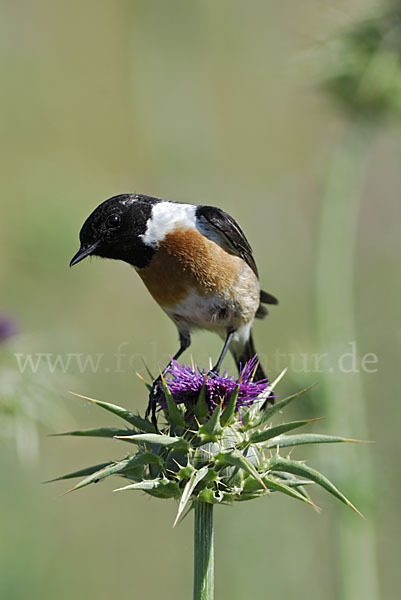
{"x": 114, "y": 229}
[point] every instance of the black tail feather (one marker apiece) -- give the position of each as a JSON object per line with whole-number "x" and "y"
{"x": 267, "y": 298}
{"x": 247, "y": 354}
{"x": 262, "y": 312}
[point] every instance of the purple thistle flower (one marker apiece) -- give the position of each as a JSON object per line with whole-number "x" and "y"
{"x": 185, "y": 384}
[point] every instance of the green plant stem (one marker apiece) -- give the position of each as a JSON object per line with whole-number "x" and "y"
{"x": 355, "y": 542}
{"x": 203, "y": 552}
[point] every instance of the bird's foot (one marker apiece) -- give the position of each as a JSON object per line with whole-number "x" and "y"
{"x": 214, "y": 372}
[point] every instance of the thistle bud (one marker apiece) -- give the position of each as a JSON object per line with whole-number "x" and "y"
{"x": 217, "y": 445}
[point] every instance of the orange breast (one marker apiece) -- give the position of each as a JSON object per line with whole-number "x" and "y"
{"x": 186, "y": 260}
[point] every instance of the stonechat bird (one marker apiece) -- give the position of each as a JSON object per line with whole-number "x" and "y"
{"x": 195, "y": 261}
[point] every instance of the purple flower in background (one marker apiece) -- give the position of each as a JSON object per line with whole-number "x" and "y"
{"x": 7, "y": 328}
{"x": 185, "y": 384}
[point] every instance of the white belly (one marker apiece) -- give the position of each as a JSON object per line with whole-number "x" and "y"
{"x": 215, "y": 312}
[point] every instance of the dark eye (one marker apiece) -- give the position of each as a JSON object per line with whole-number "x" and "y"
{"x": 113, "y": 220}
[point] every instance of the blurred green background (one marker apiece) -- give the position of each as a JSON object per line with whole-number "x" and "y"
{"x": 204, "y": 102}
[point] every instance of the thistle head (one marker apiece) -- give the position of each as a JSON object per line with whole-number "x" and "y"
{"x": 217, "y": 445}
{"x": 200, "y": 391}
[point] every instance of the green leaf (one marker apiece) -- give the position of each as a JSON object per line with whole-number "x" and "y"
{"x": 210, "y": 496}
{"x": 111, "y": 469}
{"x": 156, "y": 439}
{"x": 267, "y": 434}
{"x": 81, "y": 472}
{"x": 306, "y": 438}
{"x": 212, "y": 428}
{"x": 160, "y": 488}
{"x": 251, "y": 486}
{"x": 175, "y": 415}
{"x": 192, "y": 482}
{"x": 119, "y": 468}
{"x": 271, "y": 410}
{"x": 229, "y": 410}
{"x": 145, "y": 485}
{"x": 254, "y": 415}
{"x": 278, "y": 463}
{"x": 201, "y": 408}
{"x": 277, "y": 486}
{"x": 243, "y": 497}
{"x": 167, "y": 489}
{"x": 291, "y": 480}
{"x": 238, "y": 460}
{"x": 185, "y": 472}
{"x": 145, "y": 458}
{"x": 106, "y": 432}
{"x": 135, "y": 420}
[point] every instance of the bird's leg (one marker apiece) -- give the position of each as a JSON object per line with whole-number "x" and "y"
{"x": 185, "y": 342}
{"x": 230, "y": 333}
{"x": 157, "y": 386}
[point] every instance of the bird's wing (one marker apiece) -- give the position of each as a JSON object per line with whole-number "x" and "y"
{"x": 220, "y": 227}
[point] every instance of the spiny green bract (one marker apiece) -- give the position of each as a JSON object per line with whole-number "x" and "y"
{"x": 218, "y": 458}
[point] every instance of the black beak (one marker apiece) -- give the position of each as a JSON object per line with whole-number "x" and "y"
{"x": 83, "y": 252}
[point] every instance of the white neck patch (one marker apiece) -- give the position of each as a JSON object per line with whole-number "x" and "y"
{"x": 165, "y": 218}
